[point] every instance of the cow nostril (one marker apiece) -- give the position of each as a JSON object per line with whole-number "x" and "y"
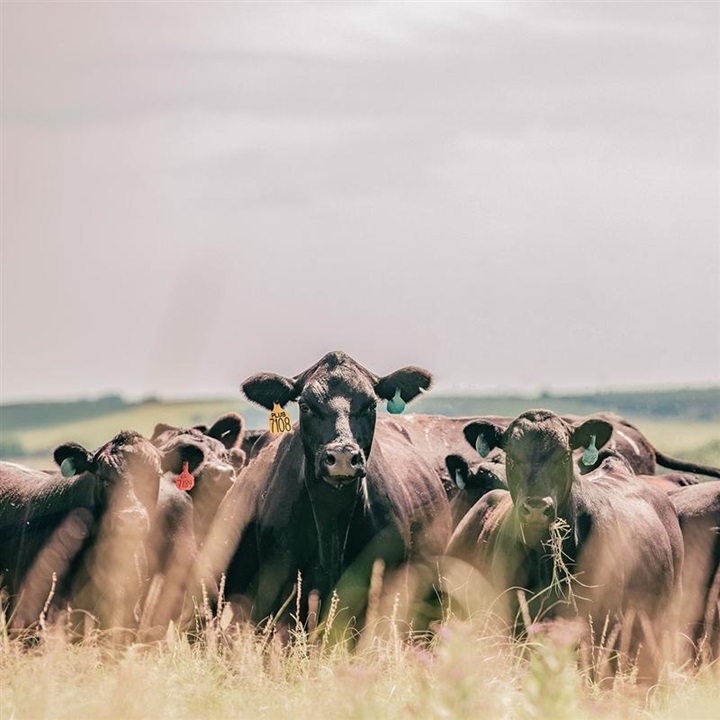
{"x": 549, "y": 511}
{"x": 355, "y": 459}
{"x": 329, "y": 458}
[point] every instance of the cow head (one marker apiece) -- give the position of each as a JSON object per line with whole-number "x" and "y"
{"x": 337, "y": 398}
{"x": 214, "y": 453}
{"x": 478, "y": 480}
{"x": 539, "y": 464}
{"x": 127, "y": 472}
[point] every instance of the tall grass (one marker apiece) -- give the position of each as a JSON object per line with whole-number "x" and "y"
{"x": 234, "y": 671}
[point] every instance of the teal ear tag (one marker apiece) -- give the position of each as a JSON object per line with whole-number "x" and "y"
{"x": 396, "y": 405}
{"x": 481, "y": 445}
{"x": 67, "y": 467}
{"x": 459, "y": 480}
{"x": 590, "y": 456}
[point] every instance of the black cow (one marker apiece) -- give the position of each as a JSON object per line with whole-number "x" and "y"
{"x": 333, "y": 495}
{"x": 86, "y": 524}
{"x": 185, "y": 513}
{"x": 698, "y": 509}
{"x": 617, "y": 552}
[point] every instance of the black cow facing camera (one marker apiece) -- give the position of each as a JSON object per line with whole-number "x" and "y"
{"x": 333, "y": 495}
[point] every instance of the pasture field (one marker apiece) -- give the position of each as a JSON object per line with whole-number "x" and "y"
{"x": 690, "y": 439}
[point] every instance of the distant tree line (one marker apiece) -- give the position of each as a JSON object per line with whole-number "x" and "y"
{"x": 702, "y": 405}
{"x": 23, "y": 416}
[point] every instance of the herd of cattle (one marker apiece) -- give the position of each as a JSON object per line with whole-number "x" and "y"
{"x": 535, "y": 520}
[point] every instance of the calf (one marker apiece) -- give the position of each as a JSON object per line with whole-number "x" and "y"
{"x": 603, "y": 546}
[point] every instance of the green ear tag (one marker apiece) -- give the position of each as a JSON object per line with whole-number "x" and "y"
{"x": 67, "y": 467}
{"x": 482, "y": 446}
{"x": 459, "y": 480}
{"x": 590, "y": 456}
{"x": 396, "y": 405}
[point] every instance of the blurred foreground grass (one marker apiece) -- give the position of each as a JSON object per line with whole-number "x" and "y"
{"x": 465, "y": 675}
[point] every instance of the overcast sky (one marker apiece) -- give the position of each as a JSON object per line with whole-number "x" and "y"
{"x": 516, "y": 196}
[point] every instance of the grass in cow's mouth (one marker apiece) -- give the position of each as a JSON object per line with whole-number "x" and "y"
{"x": 562, "y": 579}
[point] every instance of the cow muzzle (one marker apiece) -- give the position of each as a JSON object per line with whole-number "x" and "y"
{"x": 220, "y": 476}
{"x": 340, "y": 464}
{"x": 537, "y": 512}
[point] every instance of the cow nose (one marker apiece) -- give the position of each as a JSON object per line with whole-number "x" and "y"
{"x": 342, "y": 461}
{"x": 221, "y": 475}
{"x": 537, "y": 511}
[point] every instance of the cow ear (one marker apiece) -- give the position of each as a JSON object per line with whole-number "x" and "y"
{"x": 202, "y": 428}
{"x": 581, "y": 435}
{"x": 72, "y": 459}
{"x": 458, "y": 469}
{"x": 408, "y": 381}
{"x": 160, "y": 428}
{"x": 484, "y": 436}
{"x": 228, "y": 429}
{"x": 173, "y": 460}
{"x": 266, "y": 389}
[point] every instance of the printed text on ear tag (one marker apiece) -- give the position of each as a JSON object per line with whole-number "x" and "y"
{"x": 185, "y": 481}
{"x": 396, "y": 405}
{"x": 279, "y": 420}
{"x": 481, "y": 445}
{"x": 67, "y": 467}
{"x": 590, "y": 456}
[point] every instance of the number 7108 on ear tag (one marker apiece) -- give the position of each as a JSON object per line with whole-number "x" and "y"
{"x": 279, "y": 420}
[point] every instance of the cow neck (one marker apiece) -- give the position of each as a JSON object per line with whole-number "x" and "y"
{"x": 333, "y": 511}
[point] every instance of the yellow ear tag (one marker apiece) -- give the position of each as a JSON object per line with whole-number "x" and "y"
{"x": 279, "y": 420}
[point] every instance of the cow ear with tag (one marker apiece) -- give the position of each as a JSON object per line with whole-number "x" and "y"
{"x": 72, "y": 459}
{"x": 458, "y": 470}
{"x": 268, "y": 389}
{"x": 484, "y": 436}
{"x": 402, "y": 386}
{"x": 175, "y": 459}
{"x": 592, "y": 435}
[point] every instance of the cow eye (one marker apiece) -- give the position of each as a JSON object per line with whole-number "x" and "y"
{"x": 367, "y": 409}
{"x": 305, "y": 409}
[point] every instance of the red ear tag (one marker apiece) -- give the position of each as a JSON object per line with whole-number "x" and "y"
{"x": 185, "y": 481}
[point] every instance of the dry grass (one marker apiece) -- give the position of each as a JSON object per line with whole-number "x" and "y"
{"x": 235, "y": 672}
